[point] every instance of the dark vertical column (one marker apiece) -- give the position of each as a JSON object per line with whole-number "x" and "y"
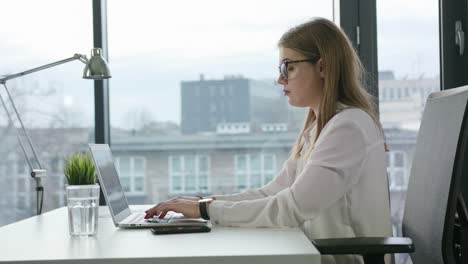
{"x": 453, "y": 66}
{"x": 453, "y": 18}
{"x": 101, "y": 87}
{"x": 358, "y": 18}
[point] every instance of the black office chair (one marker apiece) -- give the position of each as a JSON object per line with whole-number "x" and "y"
{"x": 435, "y": 222}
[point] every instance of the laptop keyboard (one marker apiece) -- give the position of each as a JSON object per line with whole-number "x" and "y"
{"x": 140, "y": 218}
{"x": 156, "y": 219}
{"x": 137, "y": 219}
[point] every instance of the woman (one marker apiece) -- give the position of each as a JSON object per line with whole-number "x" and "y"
{"x": 334, "y": 184}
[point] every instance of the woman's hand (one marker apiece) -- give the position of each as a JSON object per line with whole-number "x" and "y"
{"x": 186, "y": 205}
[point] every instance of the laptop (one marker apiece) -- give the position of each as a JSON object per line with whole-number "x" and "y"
{"x": 115, "y": 197}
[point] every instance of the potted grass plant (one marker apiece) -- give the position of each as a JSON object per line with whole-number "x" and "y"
{"x": 82, "y": 194}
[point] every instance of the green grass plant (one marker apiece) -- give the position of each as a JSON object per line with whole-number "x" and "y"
{"x": 79, "y": 169}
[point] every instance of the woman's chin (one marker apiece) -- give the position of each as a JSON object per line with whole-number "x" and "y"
{"x": 295, "y": 103}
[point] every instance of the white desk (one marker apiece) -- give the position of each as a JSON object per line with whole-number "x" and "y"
{"x": 45, "y": 239}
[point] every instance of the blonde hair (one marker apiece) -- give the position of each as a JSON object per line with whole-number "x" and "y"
{"x": 344, "y": 73}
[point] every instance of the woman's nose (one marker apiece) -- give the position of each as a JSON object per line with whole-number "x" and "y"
{"x": 281, "y": 80}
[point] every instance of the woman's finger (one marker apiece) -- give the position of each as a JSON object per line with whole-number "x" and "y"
{"x": 164, "y": 209}
{"x": 154, "y": 211}
{"x": 150, "y": 211}
{"x": 162, "y": 214}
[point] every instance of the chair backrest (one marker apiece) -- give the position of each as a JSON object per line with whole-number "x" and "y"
{"x": 435, "y": 176}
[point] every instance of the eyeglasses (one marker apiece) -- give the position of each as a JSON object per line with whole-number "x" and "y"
{"x": 283, "y": 67}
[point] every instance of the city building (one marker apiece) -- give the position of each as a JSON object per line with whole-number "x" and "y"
{"x": 205, "y": 103}
{"x": 401, "y": 101}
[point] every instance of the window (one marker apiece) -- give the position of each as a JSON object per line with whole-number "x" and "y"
{"x": 189, "y": 173}
{"x": 176, "y": 173}
{"x": 22, "y": 167}
{"x": 131, "y": 173}
{"x": 269, "y": 167}
{"x": 56, "y": 165}
{"x": 56, "y": 105}
{"x": 254, "y": 170}
{"x": 401, "y": 28}
{"x": 207, "y": 89}
{"x": 24, "y": 189}
{"x": 241, "y": 171}
{"x": 213, "y": 107}
{"x": 212, "y": 91}
{"x": 397, "y": 172}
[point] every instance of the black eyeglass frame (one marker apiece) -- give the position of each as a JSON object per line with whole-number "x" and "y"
{"x": 284, "y": 74}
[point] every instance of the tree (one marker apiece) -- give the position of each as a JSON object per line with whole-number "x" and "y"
{"x": 138, "y": 117}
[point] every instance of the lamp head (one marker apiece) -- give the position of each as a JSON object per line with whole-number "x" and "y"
{"x": 96, "y": 67}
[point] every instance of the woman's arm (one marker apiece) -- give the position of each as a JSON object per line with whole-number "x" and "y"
{"x": 333, "y": 167}
{"x": 283, "y": 180}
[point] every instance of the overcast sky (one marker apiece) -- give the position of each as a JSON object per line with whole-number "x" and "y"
{"x": 153, "y": 45}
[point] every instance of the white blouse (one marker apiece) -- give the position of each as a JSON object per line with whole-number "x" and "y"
{"x": 341, "y": 190}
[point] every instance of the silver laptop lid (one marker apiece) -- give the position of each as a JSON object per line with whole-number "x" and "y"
{"x": 110, "y": 183}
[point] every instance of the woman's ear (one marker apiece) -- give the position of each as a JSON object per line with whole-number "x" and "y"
{"x": 321, "y": 67}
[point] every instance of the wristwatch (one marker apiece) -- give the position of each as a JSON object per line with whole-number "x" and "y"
{"x": 202, "y": 203}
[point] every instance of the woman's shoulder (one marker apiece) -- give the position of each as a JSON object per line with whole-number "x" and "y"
{"x": 360, "y": 119}
{"x": 347, "y": 113}
{"x": 353, "y": 113}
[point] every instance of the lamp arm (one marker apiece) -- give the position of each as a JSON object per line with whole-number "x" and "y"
{"x": 40, "y": 173}
{"x": 79, "y": 57}
{"x": 18, "y": 131}
{"x": 3, "y": 80}
{"x": 37, "y": 174}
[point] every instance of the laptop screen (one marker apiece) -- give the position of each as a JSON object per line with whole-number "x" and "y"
{"x": 109, "y": 178}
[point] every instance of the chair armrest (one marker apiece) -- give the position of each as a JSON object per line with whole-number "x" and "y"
{"x": 364, "y": 245}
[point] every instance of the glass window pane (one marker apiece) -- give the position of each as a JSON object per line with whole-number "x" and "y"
{"x": 268, "y": 177}
{"x": 176, "y": 183}
{"x": 203, "y": 182}
{"x": 255, "y": 163}
{"x": 398, "y": 159}
{"x": 255, "y": 180}
{"x": 408, "y": 71}
{"x": 209, "y": 98}
{"x": 22, "y": 167}
{"x": 399, "y": 179}
{"x": 125, "y": 181}
{"x": 388, "y": 155}
{"x": 189, "y": 164}
{"x": 176, "y": 164}
{"x": 56, "y": 105}
{"x": 268, "y": 162}
{"x": 203, "y": 164}
{"x": 22, "y": 183}
{"x": 138, "y": 167}
{"x": 241, "y": 181}
{"x": 124, "y": 167}
{"x": 22, "y": 202}
{"x": 139, "y": 182}
{"x": 241, "y": 164}
{"x": 190, "y": 182}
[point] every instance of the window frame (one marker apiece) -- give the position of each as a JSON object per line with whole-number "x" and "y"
{"x": 183, "y": 173}
{"x": 248, "y": 169}
{"x": 132, "y": 178}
